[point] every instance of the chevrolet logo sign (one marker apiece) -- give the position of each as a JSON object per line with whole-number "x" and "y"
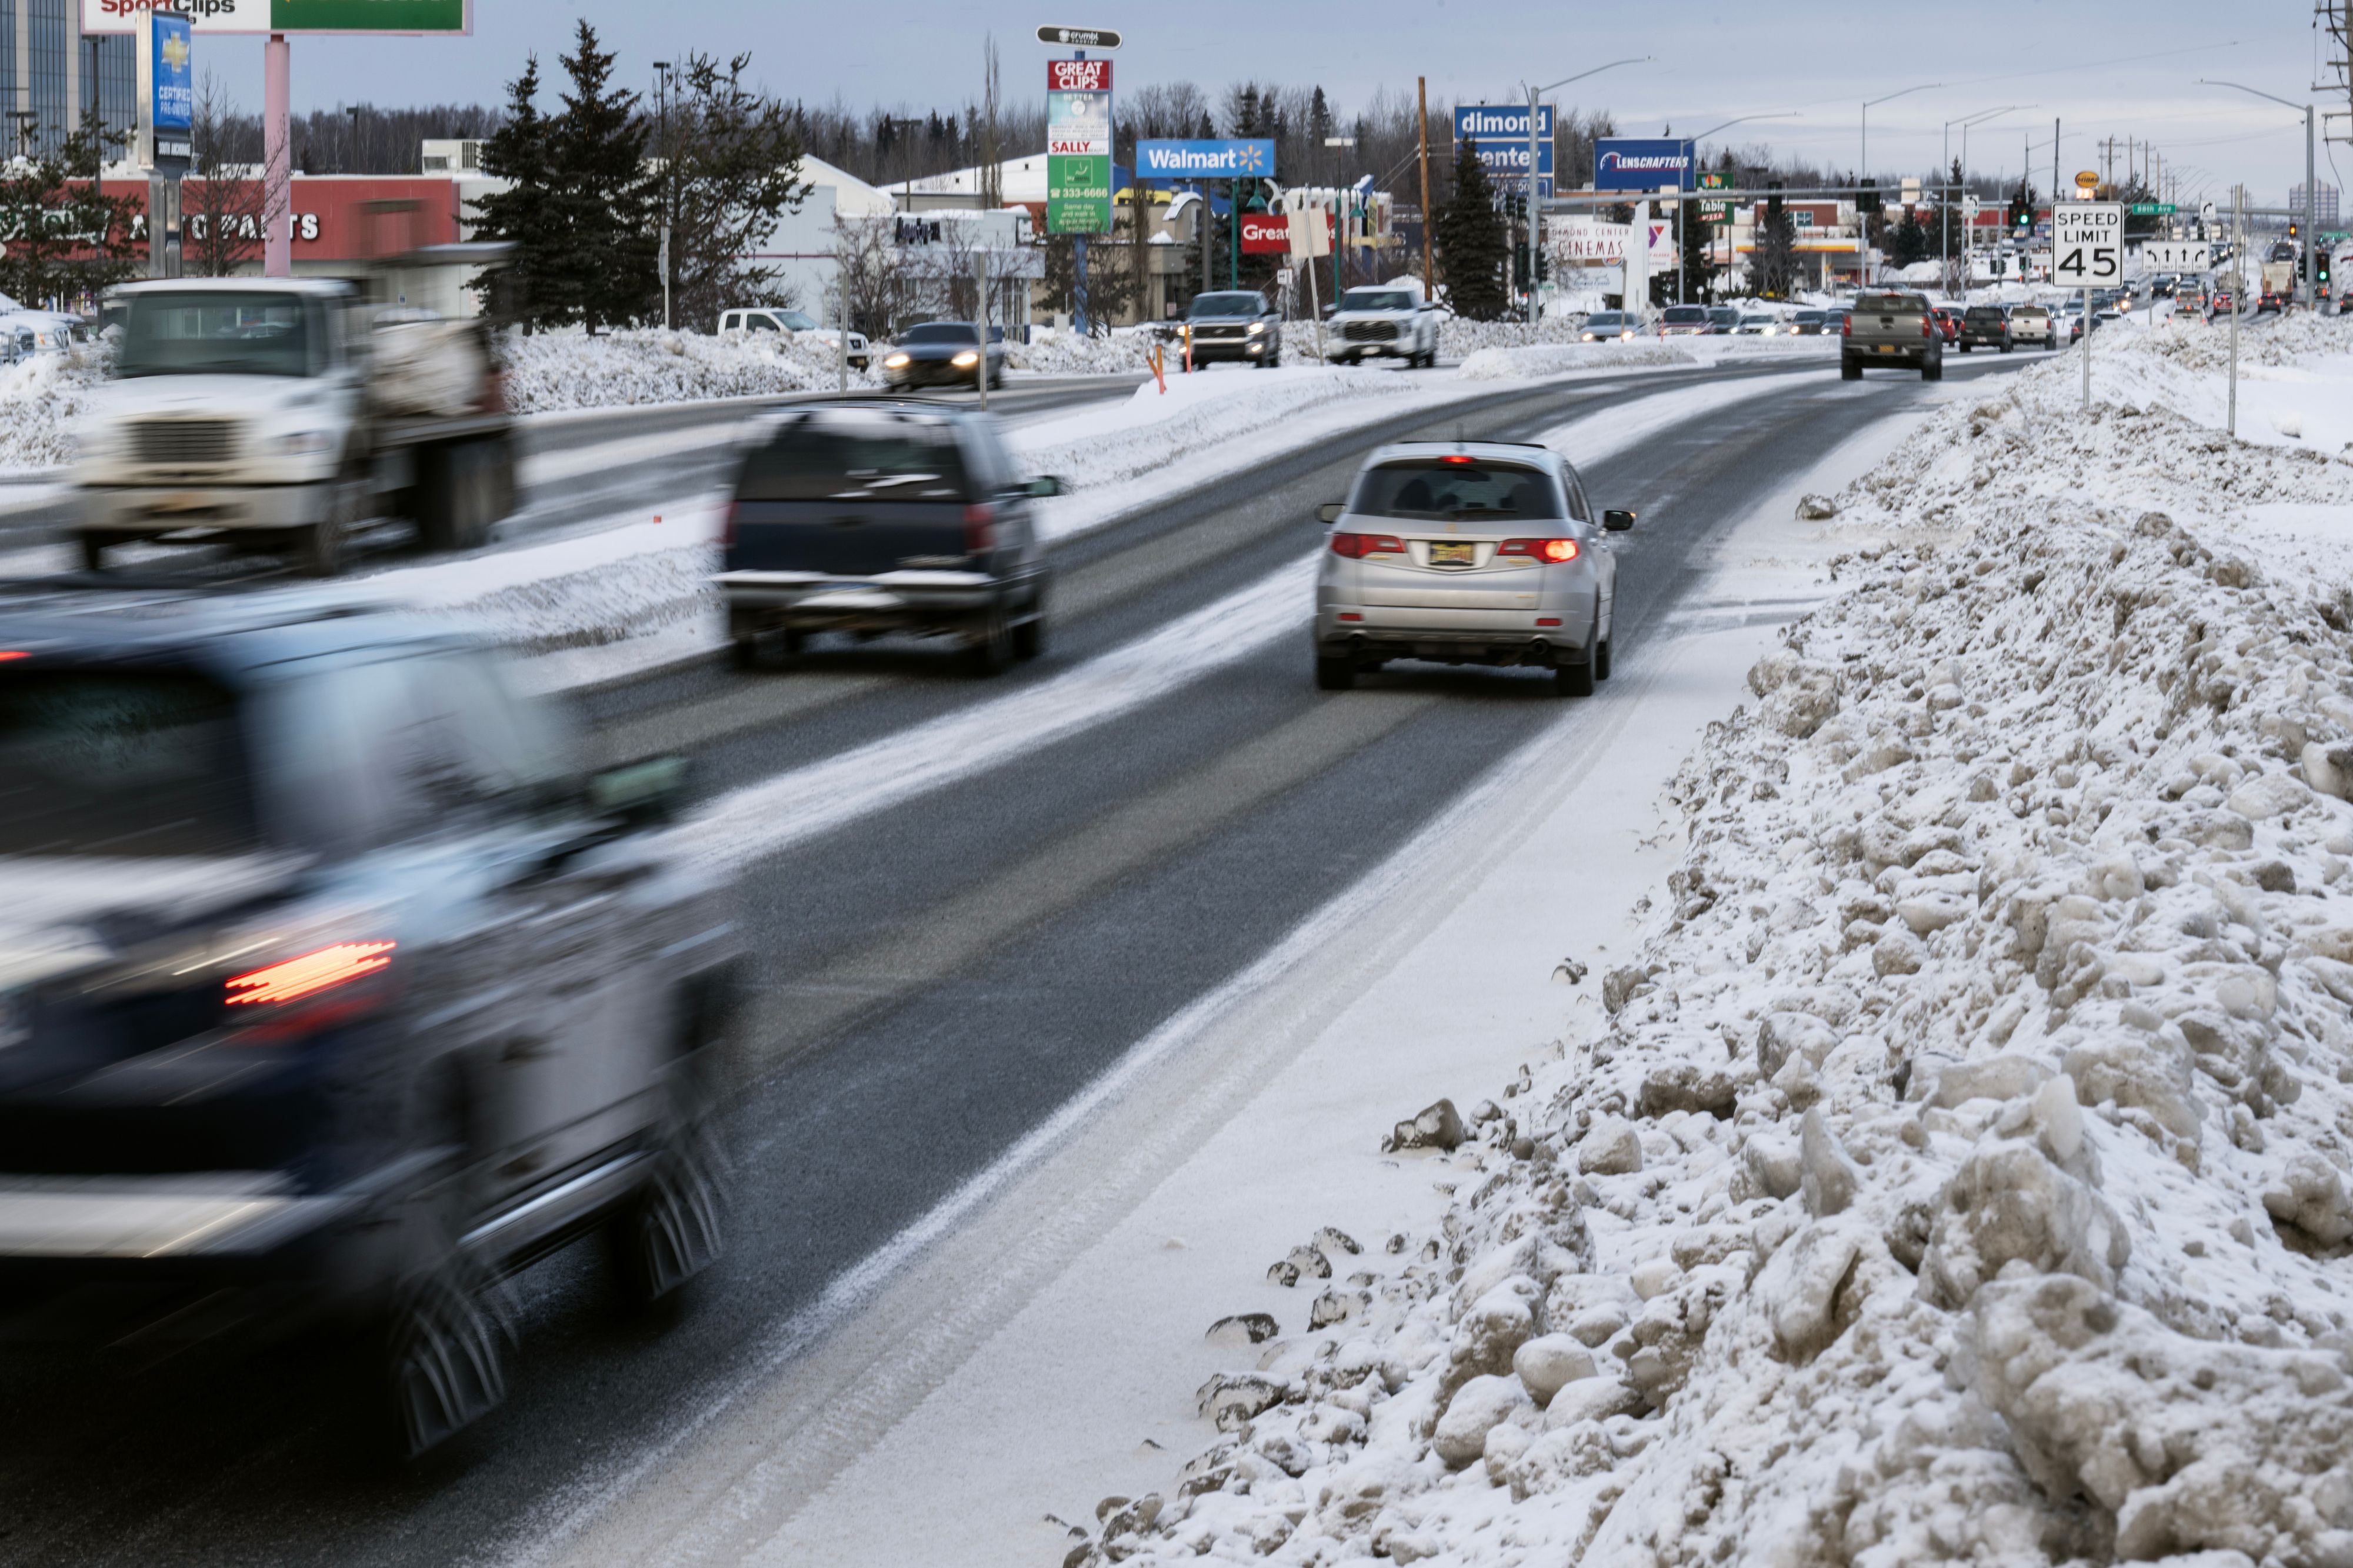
{"x": 175, "y": 53}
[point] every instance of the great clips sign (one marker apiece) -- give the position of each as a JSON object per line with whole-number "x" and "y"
{"x": 448, "y": 18}
{"x": 1626, "y": 163}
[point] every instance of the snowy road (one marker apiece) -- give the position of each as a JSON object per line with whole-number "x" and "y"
{"x": 940, "y": 974}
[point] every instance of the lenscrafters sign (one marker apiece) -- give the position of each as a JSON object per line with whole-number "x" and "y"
{"x": 1627, "y": 164}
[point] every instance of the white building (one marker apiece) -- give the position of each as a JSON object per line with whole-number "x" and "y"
{"x": 801, "y": 246}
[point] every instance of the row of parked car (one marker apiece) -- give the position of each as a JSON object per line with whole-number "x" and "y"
{"x": 1713, "y": 321}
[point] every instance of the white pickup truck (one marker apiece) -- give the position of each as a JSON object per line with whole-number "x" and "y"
{"x": 281, "y": 414}
{"x": 1386, "y": 319}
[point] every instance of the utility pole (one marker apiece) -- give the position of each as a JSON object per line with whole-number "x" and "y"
{"x": 661, "y": 109}
{"x": 2238, "y": 296}
{"x": 1428, "y": 278}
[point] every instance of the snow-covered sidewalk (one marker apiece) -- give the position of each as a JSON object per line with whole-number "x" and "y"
{"x": 1958, "y": 1173}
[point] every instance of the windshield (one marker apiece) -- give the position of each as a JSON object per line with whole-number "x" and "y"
{"x": 1687, "y": 315}
{"x": 213, "y": 334}
{"x": 120, "y": 762}
{"x": 1606, "y": 319}
{"x": 1456, "y": 488}
{"x": 1377, "y": 300}
{"x": 855, "y": 456}
{"x": 1227, "y": 305}
{"x": 1806, "y": 318}
{"x": 796, "y": 321}
{"x": 943, "y": 332}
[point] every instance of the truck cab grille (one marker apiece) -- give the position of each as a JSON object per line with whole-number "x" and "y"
{"x": 1368, "y": 332}
{"x": 180, "y": 443}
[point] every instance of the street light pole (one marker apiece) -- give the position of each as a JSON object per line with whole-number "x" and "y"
{"x": 1863, "y": 173}
{"x": 2311, "y": 194}
{"x": 1944, "y": 219}
{"x": 1535, "y": 220}
{"x": 1741, "y": 120}
{"x": 661, "y": 108}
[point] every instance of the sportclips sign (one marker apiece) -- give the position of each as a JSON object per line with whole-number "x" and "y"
{"x": 448, "y": 19}
{"x": 1625, "y": 163}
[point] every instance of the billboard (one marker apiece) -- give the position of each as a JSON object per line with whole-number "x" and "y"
{"x": 452, "y": 18}
{"x": 1641, "y": 164}
{"x": 1222, "y": 158}
{"x": 172, "y": 96}
{"x": 1078, "y": 146}
{"x": 1501, "y": 131}
{"x": 1266, "y": 234}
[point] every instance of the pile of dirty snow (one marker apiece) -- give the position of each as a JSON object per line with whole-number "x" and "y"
{"x": 1959, "y": 1175}
{"x": 549, "y": 371}
{"x": 40, "y": 398}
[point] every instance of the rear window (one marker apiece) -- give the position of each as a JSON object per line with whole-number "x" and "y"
{"x": 1984, "y": 313}
{"x": 1439, "y": 489}
{"x": 1890, "y": 303}
{"x": 853, "y": 456}
{"x": 122, "y": 762}
{"x": 2031, "y": 313}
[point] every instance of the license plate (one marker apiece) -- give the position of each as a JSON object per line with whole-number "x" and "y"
{"x": 1454, "y": 554}
{"x": 1887, "y": 349}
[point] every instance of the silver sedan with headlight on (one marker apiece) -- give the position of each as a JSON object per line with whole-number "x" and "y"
{"x": 1467, "y": 553}
{"x": 944, "y": 354}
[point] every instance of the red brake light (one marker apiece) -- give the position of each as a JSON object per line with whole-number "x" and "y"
{"x": 310, "y": 973}
{"x": 1357, "y": 546}
{"x": 980, "y": 527}
{"x": 7, "y": 654}
{"x": 1927, "y": 327}
{"x": 1456, "y": 458}
{"x": 1846, "y": 326}
{"x": 1549, "y": 550}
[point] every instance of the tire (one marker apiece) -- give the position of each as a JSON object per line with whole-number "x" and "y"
{"x": 2051, "y": 343}
{"x": 1030, "y": 635}
{"x": 93, "y": 553}
{"x": 1601, "y": 659}
{"x": 1964, "y": 346}
{"x": 769, "y": 651}
{"x": 1335, "y": 674}
{"x": 444, "y": 1363}
{"x": 990, "y": 650}
{"x": 2005, "y": 348}
{"x": 1932, "y": 370}
{"x": 1850, "y": 370}
{"x": 320, "y": 549}
{"x": 1573, "y": 680}
{"x": 671, "y": 1228}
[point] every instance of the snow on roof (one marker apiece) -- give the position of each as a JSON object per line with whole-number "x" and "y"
{"x": 1020, "y": 180}
{"x": 851, "y": 196}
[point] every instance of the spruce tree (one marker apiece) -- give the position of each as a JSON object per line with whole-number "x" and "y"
{"x": 1469, "y": 238}
{"x": 605, "y": 200}
{"x": 730, "y": 172}
{"x": 526, "y": 288}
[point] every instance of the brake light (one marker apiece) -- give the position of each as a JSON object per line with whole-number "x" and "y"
{"x": 980, "y": 527}
{"x": 1846, "y": 327}
{"x": 1551, "y": 550}
{"x": 7, "y": 654}
{"x": 1357, "y": 546}
{"x": 1456, "y": 458}
{"x": 1927, "y": 327}
{"x": 309, "y": 975}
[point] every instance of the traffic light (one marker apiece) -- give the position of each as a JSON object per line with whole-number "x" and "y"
{"x": 2292, "y": 230}
{"x": 1520, "y": 262}
{"x": 1544, "y": 267}
{"x": 1866, "y": 200}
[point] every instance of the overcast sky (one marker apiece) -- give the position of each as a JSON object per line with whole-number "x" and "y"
{"x": 2108, "y": 70}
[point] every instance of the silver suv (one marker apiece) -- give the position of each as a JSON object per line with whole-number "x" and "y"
{"x": 1467, "y": 553}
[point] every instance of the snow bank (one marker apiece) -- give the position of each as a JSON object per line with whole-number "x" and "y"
{"x": 1959, "y": 1175}
{"x": 572, "y": 370}
{"x": 39, "y": 400}
{"x": 1522, "y": 363}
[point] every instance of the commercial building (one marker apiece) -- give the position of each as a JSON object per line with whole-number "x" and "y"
{"x": 50, "y": 74}
{"x": 2324, "y": 205}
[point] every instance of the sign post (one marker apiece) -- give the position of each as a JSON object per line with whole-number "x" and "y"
{"x": 2088, "y": 252}
{"x": 1309, "y": 231}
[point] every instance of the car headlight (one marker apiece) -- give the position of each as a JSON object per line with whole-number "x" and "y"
{"x": 304, "y": 443}
{"x": 1257, "y": 329}
{"x": 896, "y": 362}
{"x": 966, "y": 360}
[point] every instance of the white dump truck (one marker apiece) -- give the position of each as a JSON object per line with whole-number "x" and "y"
{"x": 281, "y": 416}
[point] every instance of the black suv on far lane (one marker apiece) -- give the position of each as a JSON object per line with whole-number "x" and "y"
{"x": 1985, "y": 327}
{"x": 1234, "y": 324}
{"x": 331, "y": 990}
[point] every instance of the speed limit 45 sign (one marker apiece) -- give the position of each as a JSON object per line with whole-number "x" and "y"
{"x": 2088, "y": 244}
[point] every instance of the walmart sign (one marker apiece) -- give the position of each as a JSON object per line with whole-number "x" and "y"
{"x": 1227, "y": 158}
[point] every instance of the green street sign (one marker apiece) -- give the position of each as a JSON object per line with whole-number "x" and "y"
{"x": 2152, "y": 209}
{"x": 1078, "y": 192}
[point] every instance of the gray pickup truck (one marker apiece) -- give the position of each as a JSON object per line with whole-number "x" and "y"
{"x": 1892, "y": 329}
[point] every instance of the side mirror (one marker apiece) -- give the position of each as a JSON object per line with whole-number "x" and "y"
{"x": 1043, "y": 486}
{"x": 1616, "y": 522}
{"x": 642, "y": 794}
{"x": 1329, "y": 309}
{"x": 1330, "y": 511}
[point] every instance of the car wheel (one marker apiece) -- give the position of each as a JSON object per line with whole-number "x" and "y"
{"x": 93, "y": 553}
{"x": 320, "y": 551}
{"x": 1964, "y": 346}
{"x": 1932, "y": 370}
{"x": 445, "y": 1361}
{"x": 1030, "y": 635}
{"x": 1850, "y": 370}
{"x": 989, "y": 650}
{"x": 1601, "y": 659}
{"x": 769, "y": 650}
{"x": 1573, "y": 680}
{"x": 1335, "y": 674}
{"x": 2005, "y": 348}
{"x": 669, "y": 1230}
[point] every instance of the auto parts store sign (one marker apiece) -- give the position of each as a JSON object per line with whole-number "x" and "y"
{"x": 1078, "y": 146}
{"x": 444, "y": 18}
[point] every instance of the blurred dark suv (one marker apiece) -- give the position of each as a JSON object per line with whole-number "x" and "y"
{"x": 875, "y": 518}
{"x": 332, "y": 991}
{"x": 1985, "y": 327}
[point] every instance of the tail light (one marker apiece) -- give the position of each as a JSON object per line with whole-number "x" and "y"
{"x": 1554, "y": 551}
{"x": 307, "y": 974}
{"x": 1927, "y": 326}
{"x": 1846, "y": 327}
{"x": 1357, "y": 546}
{"x": 980, "y": 527}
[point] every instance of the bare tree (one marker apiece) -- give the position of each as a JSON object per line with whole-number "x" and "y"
{"x": 874, "y": 279}
{"x": 221, "y": 200}
{"x": 992, "y": 156}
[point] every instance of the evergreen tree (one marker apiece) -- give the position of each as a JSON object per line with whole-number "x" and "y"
{"x": 525, "y": 288}
{"x": 728, "y": 174}
{"x": 62, "y": 237}
{"x": 1910, "y": 242}
{"x": 606, "y": 201}
{"x": 1468, "y": 237}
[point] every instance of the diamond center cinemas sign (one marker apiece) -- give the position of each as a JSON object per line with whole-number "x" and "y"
{"x": 1078, "y": 146}
{"x": 444, "y": 18}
